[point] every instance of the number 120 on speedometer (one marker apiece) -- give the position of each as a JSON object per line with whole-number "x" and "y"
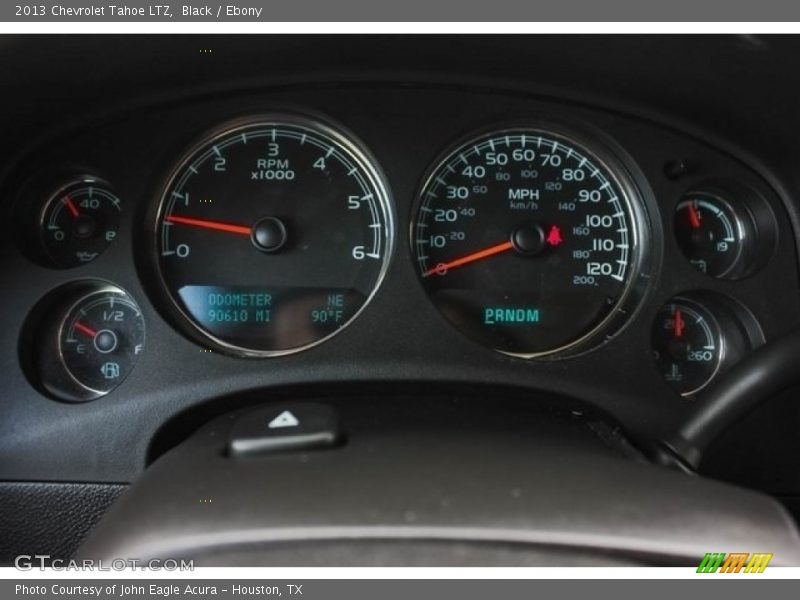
{"x": 528, "y": 241}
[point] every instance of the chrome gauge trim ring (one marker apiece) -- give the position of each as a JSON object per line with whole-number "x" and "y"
{"x": 101, "y": 289}
{"x": 347, "y": 143}
{"x": 619, "y": 167}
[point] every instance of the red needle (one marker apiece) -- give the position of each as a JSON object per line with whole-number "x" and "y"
{"x": 694, "y": 217}
{"x": 442, "y": 268}
{"x": 85, "y": 329}
{"x": 71, "y": 206}
{"x": 679, "y": 323}
{"x": 215, "y": 225}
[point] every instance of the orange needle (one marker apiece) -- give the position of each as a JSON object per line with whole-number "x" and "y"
{"x": 694, "y": 217}
{"x": 85, "y": 329}
{"x": 679, "y": 323}
{"x": 215, "y": 225}
{"x": 71, "y": 206}
{"x": 442, "y": 268}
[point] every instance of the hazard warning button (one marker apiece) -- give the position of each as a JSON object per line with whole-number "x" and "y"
{"x": 278, "y": 428}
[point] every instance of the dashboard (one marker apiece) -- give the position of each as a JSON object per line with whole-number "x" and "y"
{"x": 186, "y": 232}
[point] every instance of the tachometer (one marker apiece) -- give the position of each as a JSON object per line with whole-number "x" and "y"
{"x": 528, "y": 241}
{"x": 273, "y": 234}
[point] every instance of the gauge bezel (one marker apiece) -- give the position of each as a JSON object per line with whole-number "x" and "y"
{"x": 52, "y": 375}
{"x": 718, "y": 334}
{"x": 637, "y": 197}
{"x": 740, "y": 229}
{"x": 737, "y": 329}
{"x": 756, "y": 225}
{"x": 54, "y": 196}
{"x": 317, "y": 125}
{"x": 103, "y": 288}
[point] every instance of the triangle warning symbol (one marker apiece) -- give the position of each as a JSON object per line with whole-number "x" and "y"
{"x": 285, "y": 419}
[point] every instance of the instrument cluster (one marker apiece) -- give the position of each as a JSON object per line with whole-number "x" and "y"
{"x": 540, "y": 238}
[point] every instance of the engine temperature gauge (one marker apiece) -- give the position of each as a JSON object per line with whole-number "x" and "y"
{"x": 99, "y": 335}
{"x": 697, "y": 335}
{"x": 687, "y": 345}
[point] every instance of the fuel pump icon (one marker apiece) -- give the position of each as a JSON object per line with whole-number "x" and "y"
{"x": 110, "y": 370}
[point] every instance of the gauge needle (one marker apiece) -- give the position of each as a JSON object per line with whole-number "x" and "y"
{"x": 215, "y": 225}
{"x": 71, "y": 206}
{"x": 85, "y": 329}
{"x": 442, "y": 268}
{"x": 694, "y": 217}
{"x": 679, "y": 323}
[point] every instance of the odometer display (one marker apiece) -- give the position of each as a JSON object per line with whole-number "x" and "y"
{"x": 273, "y": 235}
{"x": 527, "y": 241}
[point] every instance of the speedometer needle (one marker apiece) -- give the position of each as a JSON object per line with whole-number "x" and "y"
{"x": 442, "y": 268}
{"x": 215, "y": 225}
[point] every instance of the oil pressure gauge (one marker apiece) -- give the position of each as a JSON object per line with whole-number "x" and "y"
{"x": 78, "y": 222}
{"x": 91, "y": 343}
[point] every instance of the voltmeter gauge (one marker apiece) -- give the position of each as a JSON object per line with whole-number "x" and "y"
{"x": 78, "y": 222}
{"x": 697, "y": 335}
{"x": 724, "y": 231}
{"x": 92, "y": 343}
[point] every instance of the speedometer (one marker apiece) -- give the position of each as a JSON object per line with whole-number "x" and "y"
{"x": 272, "y": 235}
{"x": 530, "y": 242}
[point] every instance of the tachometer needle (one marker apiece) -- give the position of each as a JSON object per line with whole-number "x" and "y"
{"x": 71, "y": 206}
{"x": 85, "y": 329}
{"x": 215, "y": 225}
{"x": 442, "y": 268}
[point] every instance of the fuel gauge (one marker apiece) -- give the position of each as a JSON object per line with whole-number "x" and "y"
{"x": 99, "y": 336}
